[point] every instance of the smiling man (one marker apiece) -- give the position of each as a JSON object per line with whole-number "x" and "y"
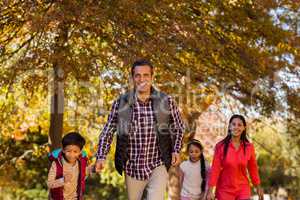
{"x": 149, "y": 135}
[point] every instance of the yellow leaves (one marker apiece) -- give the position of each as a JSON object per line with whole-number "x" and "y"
{"x": 207, "y": 101}
{"x": 235, "y": 37}
{"x": 238, "y": 3}
{"x": 216, "y": 57}
{"x": 18, "y": 135}
{"x": 67, "y": 127}
{"x": 90, "y": 151}
{"x": 109, "y": 27}
{"x": 20, "y": 163}
{"x": 285, "y": 47}
{"x": 185, "y": 57}
{"x": 208, "y": 32}
{"x": 233, "y": 2}
{"x": 205, "y": 22}
{"x": 199, "y": 99}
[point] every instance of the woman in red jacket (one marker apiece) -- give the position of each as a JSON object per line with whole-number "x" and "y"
{"x": 233, "y": 157}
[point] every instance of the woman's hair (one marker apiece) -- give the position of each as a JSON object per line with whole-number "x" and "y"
{"x": 227, "y": 139}
{"x": 202, "y": 161}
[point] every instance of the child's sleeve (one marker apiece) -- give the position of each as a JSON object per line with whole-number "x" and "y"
{"x": 182, "y": 166}
{"x": 52, "y": 181}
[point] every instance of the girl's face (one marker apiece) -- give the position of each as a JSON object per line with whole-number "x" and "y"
{"x": 72, "y": 153}
{"x": 194, "y": 153}
{"x": 236, "y": 127}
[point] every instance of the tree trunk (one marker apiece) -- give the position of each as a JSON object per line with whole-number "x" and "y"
{"x": 57, "y": 111}
{"x": 57, "y": 90}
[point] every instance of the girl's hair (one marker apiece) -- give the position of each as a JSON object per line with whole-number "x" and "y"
{"x": 227, "y": 139}
{"x": 202, "y": 161}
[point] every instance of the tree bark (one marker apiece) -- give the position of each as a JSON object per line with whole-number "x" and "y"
{"x": 57, "y": 90}
{"x": 57, "y": 112}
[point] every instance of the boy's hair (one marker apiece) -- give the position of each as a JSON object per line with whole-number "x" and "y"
{"x": 73, "y": 138}
{"x": 198, "y": 144}
{"x": 141, "y": 62}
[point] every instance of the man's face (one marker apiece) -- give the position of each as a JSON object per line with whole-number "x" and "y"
{"x": 142, "y": 78}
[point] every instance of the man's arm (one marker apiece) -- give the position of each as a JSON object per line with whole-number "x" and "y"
{"x": 106, "y": 136}
{"x": 176, "y": 126}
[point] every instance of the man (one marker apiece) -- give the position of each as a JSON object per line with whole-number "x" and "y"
{"x": 149, "y": 135}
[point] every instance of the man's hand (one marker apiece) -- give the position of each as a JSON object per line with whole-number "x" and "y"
{"x": 99, "y": 165}
{"x": 175, "y": 159}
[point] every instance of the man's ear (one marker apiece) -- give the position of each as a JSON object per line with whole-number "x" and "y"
{"x": 130, "y": 82}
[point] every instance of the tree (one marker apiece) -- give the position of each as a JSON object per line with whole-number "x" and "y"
{"x": 199, "y": 48}
{"x": 220, "y": 42}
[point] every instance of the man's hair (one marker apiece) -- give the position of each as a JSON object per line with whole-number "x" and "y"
{"x": 141, "y": 62}
{"x": 73, "y": 138}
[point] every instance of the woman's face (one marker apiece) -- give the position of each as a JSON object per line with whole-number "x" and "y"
{"x": 194, "y": 153}
{"x": 236, "y": 127}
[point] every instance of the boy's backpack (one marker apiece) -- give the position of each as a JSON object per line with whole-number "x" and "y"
{"x": 56, "y": 156}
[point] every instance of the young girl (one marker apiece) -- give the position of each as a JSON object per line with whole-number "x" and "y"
{"x": 193, "y": 173}
{"x": 233, "y": 157}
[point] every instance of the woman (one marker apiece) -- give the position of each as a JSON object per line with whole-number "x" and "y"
{"x": 233, "y": 156}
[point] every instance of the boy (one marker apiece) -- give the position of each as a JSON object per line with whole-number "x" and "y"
{"x": 66, "y": 178}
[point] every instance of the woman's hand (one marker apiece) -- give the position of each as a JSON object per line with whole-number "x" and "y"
{"x": 210, "y": 195}
{"x": 260, "y": 192}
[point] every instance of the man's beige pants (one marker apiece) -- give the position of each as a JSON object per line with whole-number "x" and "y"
{"x": 156, "y": 185}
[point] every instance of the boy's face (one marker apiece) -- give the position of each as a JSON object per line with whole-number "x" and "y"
{"x": 72, "y": 153}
